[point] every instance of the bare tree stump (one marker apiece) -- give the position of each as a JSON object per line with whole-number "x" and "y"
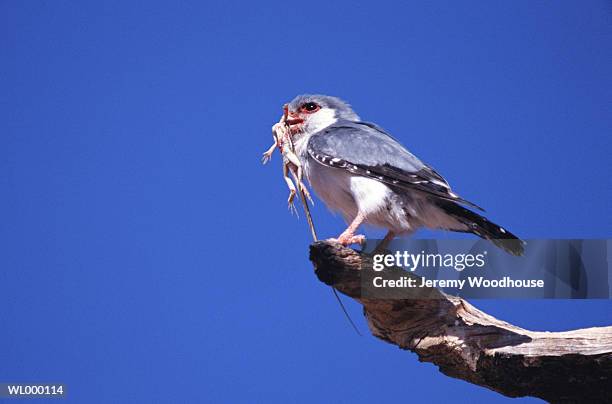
{"x": 466, "y": 343}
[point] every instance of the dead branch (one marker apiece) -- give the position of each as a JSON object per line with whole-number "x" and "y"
{"x": 466, "y": 343}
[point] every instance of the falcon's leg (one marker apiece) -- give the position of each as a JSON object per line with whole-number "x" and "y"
{"x": 348, "y": 236}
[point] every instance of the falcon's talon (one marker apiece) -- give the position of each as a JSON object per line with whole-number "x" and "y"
{"x": 348, "y": 239}
{"x": 358, "y": 239}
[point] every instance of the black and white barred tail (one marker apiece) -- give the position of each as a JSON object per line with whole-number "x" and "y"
{"x": 483, "y": 228}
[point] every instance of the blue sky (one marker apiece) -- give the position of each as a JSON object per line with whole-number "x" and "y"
{"x": 147, "y": 256}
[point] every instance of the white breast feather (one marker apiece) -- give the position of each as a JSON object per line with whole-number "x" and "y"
{"x": 370, "y": 195}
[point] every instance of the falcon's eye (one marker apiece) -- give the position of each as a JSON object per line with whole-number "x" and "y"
{"x": 310, "y": 107}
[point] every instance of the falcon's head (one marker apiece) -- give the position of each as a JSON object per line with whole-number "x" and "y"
{"x": 310, "y": 113}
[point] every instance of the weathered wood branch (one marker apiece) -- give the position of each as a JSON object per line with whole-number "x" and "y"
{"x": 466, "y": 343}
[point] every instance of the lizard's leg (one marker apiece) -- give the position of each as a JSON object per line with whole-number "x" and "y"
{"x": 268, "y": 153}
{"x": 301, "y": 186}
{"x": 292, "y": 158}
{"x": 298, "y": 173}
{"x": 306, "y": 192}
{"x": 290, "y": 203}
{"x": 278, "y": 130}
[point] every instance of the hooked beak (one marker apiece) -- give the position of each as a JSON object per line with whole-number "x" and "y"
{"x": 291, "y": 118}
{"x": 294, "y": 121}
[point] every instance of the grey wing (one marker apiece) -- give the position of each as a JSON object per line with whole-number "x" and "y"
{"x": 365, "y": 149}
